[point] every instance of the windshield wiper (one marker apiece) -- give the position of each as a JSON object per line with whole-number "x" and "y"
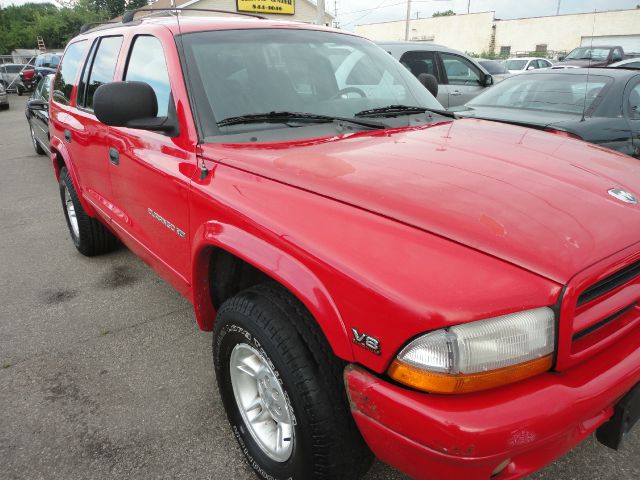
{"x": 284, "y": 117}
{"x": 396, "y": 110}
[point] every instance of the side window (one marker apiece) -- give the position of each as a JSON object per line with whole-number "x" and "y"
{"x": 147, "y": 64}
{"x": 617, "y": 55}
{"x": 460, "y": 71}
{"x": 420, "y": 62}
{"x": 68, "y": 72}
{"x": 103, "y": 66}
{"x": 634, "y": 103}
{"x": 46, "y": 88}
{"x": 84, "y": 78}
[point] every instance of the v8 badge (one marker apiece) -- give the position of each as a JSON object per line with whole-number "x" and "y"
{"x": 366, "y": 341}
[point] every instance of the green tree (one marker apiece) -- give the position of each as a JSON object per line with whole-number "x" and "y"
{"x": 20, "y": 25}
{"x": 447, "y": 13}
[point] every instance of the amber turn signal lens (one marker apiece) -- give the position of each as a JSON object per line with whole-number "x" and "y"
{"x": 434, "y": 382}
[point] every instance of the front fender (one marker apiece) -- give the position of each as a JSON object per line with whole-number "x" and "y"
{"x": 274, "y": 263}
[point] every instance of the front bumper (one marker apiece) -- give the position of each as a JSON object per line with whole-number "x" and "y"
{"x": 532, "y": 422}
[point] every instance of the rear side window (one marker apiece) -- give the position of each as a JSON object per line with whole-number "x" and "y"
{"x": 103, "y": 66}
{"x": 65, "y": 79}
{"x": 420, "y": 62}
{"x": 147, "y": 64}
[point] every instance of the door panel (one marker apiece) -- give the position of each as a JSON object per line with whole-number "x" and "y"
{"x": 90, "y": 149}
{"x": 464, "y": 79}
{"x": 150, "y": 181}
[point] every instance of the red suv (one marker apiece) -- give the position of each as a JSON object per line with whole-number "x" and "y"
{"x": 459, "y": 297}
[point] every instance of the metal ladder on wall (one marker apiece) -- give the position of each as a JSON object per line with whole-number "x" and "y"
{"x": 41, "y": 45}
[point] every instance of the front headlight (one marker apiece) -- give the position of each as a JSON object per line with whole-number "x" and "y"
{"x": 479, "y": 355}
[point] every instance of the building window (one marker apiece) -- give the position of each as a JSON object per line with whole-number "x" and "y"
{"x": 505, "y": 51}
{"x": 541, "y": 48}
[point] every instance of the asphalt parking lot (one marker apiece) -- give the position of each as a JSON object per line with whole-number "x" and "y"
{"x": 103, "y": 372}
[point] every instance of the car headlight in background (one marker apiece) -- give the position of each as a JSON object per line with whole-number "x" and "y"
{"x": 479, "y": 355}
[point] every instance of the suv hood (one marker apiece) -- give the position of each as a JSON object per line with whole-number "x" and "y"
{"x": 531, "y": 198}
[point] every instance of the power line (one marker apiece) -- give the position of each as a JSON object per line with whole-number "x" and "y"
{"x": 368, "y": 12}
{"x": 379, "y": 7}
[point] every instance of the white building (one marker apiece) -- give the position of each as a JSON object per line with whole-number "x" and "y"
{"x": 294, "y": 10}
{"x": 482, "y": 32}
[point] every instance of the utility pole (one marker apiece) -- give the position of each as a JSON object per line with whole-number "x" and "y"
{"x": 468, "y": 7}
{"x": 320, "y": 17}
{"x": 406, "y": 30}
{"x": 558, "y": 10}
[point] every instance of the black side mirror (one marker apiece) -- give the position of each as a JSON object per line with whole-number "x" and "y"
{"x": 430, "y": 82}
{"x": 488, "y": 80}
{"x": 129, "y": 104}
{"x": 561, "y": 58}
{"x": 37, "y": 104}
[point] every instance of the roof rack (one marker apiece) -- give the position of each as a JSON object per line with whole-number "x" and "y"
{"x": 88, "y": 26}
{"x": 129, "y": 15}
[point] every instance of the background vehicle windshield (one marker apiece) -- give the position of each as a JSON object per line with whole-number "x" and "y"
{"x": 587, "y": 53}
{"x": 516, "y": 64}
{"x": 493, "y": 67}
{"x": 241, "y": 72}
{"x": 551, "y": 92}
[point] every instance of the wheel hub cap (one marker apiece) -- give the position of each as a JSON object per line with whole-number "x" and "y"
{"x": 262, "y": 402}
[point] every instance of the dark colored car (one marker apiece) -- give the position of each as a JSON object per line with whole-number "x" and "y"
{"x": 37, "y": 112}
{"x": 45, "y": 64}
{"x": 596, "y": 56}
{"x": 601, "y": 106}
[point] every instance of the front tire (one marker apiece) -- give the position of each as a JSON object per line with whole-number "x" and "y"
{"x": 89, "y": 235}
{"x": 282, "y": 389}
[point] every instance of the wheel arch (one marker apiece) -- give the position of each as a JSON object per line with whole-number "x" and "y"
{"x": 60, "y": 158}
{"x": 215, "y": 240}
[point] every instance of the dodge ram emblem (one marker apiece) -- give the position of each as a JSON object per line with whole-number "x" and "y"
{"x": 623, "y": 196}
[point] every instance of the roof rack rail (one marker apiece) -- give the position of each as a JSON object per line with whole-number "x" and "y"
{"x": 88, "y": 26}
{"x": 130, "y": 14}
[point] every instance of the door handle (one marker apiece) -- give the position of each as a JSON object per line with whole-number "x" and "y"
{"x": 456, "y": 93}
{"x": 67, "y": 136}
{"x": 114, "y": 156}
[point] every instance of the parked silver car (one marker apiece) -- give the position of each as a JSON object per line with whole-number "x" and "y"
{"x": 10, "y": 77}
{"x": 460, "y": 77}
{"x": 4, "y": 101}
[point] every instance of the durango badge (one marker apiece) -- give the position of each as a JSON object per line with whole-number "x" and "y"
{"x": 370, "y": 343}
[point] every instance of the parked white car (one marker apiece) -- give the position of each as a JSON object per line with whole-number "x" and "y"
{"x": 522, "y": 64}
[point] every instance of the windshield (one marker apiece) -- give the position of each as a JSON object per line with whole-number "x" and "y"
{"x": 588, "y": 53}
{"x": 244, "y": 72}
{"x": 553, "y": 92}
{"x": 516, "y": 64}
{"x": 493, "y": 67}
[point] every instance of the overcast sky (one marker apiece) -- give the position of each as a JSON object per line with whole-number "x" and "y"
{"x": 354, "y": 12}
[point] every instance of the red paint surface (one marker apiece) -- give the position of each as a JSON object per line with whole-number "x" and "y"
{"x": 393, "y": 233}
